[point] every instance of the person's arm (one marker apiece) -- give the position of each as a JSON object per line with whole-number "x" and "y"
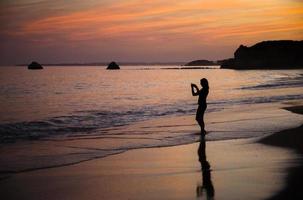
{"x": 193, "y": 87}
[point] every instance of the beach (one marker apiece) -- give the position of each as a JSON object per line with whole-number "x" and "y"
{"x": 151, "y": 100}
{"x": 290, "y": 139}
{"x": 240, "y": 169}
{"x": 94, "y": 137}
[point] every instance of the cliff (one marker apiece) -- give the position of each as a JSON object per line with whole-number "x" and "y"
{"x": 283, "y": 54}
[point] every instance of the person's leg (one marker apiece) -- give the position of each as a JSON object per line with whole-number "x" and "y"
{"x": 202, "y": 127}
{"x": 200, "y": 119}
{"x": 201, "y": 122}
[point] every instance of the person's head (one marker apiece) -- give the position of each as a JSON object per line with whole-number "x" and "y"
{"x": 204, "y": 83}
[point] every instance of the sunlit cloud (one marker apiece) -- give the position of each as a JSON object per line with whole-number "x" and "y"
{"x": 140, "y": 23}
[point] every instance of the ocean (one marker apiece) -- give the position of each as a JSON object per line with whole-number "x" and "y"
{"x": 73, "y": 114}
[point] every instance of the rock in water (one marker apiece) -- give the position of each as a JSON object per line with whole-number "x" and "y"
{"x": 113, "y": 65}
{"x": 34, "y": 65}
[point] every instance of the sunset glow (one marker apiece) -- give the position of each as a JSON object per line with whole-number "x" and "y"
{"x": 88, "y": 31}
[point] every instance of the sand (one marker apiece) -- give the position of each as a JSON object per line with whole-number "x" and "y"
{"x": 291, "y": 139}
{"x": 240, "y": 169}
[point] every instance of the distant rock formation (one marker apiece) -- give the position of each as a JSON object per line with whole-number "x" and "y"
{"x": 201, "y": 63}
{"x": 113, "y": 65}
{"x": 34, "y": 65}
{"x": 282, "y": 54}
{"x": 226, "y": 62}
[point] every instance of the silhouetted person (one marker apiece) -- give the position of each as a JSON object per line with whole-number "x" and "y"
{"x": 201, "y": 102}
{"x": 207, "y": 184}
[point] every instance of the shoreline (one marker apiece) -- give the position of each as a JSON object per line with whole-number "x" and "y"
{"x": 161, "y": 132}
{"x": 290, "y": 139}
{"x": 239, "y": 168}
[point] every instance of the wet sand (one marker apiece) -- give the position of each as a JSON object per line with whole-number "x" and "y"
{"x": 291, "y": 139}
{"x": 239, "y": 169}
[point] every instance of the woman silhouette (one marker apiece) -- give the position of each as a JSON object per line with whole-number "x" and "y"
{"x": 201, "y": 102}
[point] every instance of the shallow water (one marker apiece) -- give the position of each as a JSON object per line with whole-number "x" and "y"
{"x": 89, "y": 112}
{"x": 63, "y": 101}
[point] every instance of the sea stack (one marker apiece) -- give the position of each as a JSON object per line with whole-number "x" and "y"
{"x": 113, "y": 65}
{"x": 34, "y": 65}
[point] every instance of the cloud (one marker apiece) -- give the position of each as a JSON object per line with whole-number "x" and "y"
{"x": 176, "y": 25}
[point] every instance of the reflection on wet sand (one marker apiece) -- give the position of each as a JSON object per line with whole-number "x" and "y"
{"x": 207, "y": 184}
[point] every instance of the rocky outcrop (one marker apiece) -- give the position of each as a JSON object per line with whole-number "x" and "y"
{"x": 283, "y": 54}
{"x": 113, "y": 65}
{"x": 201, "y": 63}
{"x": 226, "y": 62}
{"x": 34, "y": 65}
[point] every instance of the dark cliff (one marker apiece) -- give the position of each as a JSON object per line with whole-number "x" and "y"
{"x": 283, "y": 54}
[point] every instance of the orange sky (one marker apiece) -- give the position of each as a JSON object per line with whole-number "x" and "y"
{"x": 133, "y": 30}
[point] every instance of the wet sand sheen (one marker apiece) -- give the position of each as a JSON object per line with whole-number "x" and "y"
{"x": 240, "y": 168}
{"x": 290, "y": 139}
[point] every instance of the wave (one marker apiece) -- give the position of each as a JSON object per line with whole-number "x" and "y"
{"x": 50, "y": 152}
{"x": 98, "y": 122}
{"x": 257, "y": 100}
{"x": 281, "y": 82}
{"x": 85, "y": 122}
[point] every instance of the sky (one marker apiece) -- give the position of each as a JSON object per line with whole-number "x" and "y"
{"x": 65, "y": 31}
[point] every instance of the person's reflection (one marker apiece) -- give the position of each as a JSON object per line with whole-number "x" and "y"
{"x": 207, "y": 184}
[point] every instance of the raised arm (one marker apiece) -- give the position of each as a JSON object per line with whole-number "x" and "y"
{"x": 193, "y": 87}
